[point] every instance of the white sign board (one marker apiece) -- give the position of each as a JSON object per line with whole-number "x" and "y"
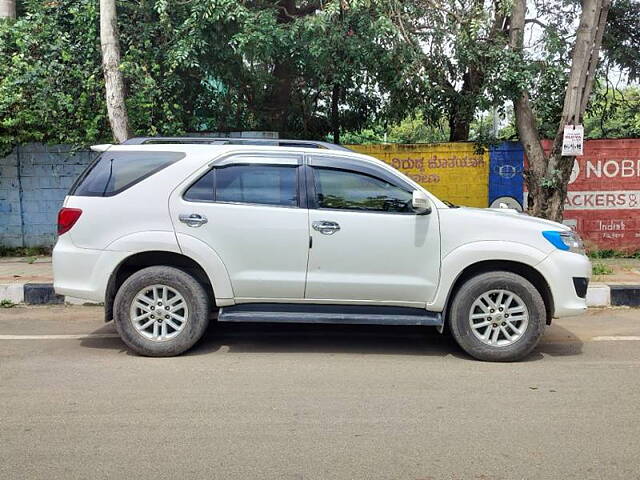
{"x": 572, "y": 140}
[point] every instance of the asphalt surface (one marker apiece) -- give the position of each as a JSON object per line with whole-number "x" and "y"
{"x": 316, "y": 402}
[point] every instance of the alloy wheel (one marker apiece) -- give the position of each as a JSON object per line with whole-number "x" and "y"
{"x": 498, "y": 318}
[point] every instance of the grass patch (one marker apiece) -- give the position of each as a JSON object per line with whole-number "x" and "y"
{"x": 601, "y": 269}
{"x": 24, "y": 251}
{"x": 6, "y": 303}
{"x": 613, "y": 254}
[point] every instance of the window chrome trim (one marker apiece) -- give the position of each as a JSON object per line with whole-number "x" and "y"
{"x": 352, "y": 165}
{"x": 231, "y": 159}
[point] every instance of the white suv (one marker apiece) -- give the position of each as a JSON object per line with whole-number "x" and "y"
{"x": 168, "y": 231}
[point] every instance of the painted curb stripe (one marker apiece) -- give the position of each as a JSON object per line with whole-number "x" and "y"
{"x": 614, "y": 338}
{"x": 625, "y": 295}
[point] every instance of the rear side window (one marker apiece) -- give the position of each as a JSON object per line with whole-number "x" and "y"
{"x": 265, "y": 184}
{"x": 257, "y": 184}
{"x": 114, "y": 172}
{"x": 202, "y": 190}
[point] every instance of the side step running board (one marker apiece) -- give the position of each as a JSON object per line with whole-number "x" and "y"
{"x": 346, "y": 314}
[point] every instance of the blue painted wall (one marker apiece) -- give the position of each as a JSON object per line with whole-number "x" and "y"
{"x": 506, "y": 164}
{"x": 34, "y": 180}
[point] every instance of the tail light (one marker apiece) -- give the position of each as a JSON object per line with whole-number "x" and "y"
{"x": 67, "y": 218}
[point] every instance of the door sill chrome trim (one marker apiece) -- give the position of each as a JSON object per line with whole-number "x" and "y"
{"x": 332, "y": 314}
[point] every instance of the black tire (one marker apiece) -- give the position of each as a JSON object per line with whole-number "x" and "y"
{"x": 194, "y": 295}
{"x": 471, "y": 290}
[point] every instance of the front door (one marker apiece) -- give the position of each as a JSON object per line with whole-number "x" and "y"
{"x": 368, "y": 246}
{"x": 248, "y": 209}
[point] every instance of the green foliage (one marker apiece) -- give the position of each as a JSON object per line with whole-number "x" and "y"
{"x": 457, "y": 62}
{"x": 622, "y": 37}
{"x": 412, "y": 129}
{"x": 375, "y": 134}
{"x": 613, "y": 254}
{"x": 6, "y": 303}
{"x": 23, "y": 251}
{"x": 614, "y": 114}
{"x": 211, "y": 65}
{"x": 50, "y": 79}
{"x": 601, "y": 269}
{"x": 400, "y": 71}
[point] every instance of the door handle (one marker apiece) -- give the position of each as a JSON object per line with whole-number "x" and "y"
{"x": 193, "y": 219}
{"x": 326, "y": 227}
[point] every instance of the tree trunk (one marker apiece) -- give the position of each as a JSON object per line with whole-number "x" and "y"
{"x": 7, "y": 8}
{"x": 464, "y": 105}
{"x": 278, "y": 105}
{"x": 548, "y": 175}
{"x": 114, "y": 84}
{"x": 335, "y": 113}
{"x": 459, "y": 127}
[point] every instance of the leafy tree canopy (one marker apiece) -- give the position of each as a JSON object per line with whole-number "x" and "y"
{"x": 414, "y": 70}
{"x": 211, "y": 65}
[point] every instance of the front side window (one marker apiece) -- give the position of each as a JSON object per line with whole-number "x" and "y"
{"x": 347, "y": 190}
{"x": 114, "y": 172}
{"x": 259, "y": 184}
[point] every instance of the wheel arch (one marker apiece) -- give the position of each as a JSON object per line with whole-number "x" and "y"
{"x": 519, "y": 268}
{"x": 140, "y": 260}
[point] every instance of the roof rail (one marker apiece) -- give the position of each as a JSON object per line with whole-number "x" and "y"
{"x": 275, "y": 142}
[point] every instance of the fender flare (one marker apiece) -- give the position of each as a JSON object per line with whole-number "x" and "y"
{"x": 165, "y": 241}
{"x": 210, "y": 261}
{"x": 469, "y": 254}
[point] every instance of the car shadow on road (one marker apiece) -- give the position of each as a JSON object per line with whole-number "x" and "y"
{"x": 336, "y": 339}
{"x": 559, "y": 342}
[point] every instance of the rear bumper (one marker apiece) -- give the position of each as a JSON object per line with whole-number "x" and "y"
{"x": 560, "y": 269}
{"x": 83, "y": 272}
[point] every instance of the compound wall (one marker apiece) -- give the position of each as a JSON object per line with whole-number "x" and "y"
{"x": 603, "y": 199}
{"x": 452, "y": 171}
{"x": 34, "y": 180}
{"x": 603, "y": 202}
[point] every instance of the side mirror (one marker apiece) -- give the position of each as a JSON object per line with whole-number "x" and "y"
{"x": 420, "y": 203}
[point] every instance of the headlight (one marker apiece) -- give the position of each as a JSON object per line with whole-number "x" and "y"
{"x": 570, "y": 241}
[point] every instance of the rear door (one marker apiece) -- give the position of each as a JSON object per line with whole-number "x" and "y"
{"x": 368, "y": 245}
{"x": 249, "y": 210}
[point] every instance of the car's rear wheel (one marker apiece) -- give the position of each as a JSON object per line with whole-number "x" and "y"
{"x": 161, "y": 311}
{"x": 497, "y": 316}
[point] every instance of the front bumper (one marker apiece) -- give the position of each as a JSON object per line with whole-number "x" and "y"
{"x": 560, "y": 269}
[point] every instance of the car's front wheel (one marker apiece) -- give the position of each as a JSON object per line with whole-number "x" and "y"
{"x": 497, "y": 316}
{"x": 161, "y": 311}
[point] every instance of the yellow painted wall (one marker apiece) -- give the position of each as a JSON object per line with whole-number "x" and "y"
{"x": 451, "y": 171}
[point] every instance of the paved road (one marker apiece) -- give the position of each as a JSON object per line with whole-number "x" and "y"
{"x": 316, "y": 402}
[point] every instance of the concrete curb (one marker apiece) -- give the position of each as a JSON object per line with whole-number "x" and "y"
{"x": 625, "y": 295}
{"x": 37, "y": 294}
{"x": 598, "y": 295}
